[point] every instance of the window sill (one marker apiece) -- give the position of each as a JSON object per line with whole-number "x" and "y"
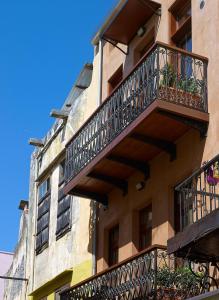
{"x": 62, "y": 232}
{"x": 41, "y": 249}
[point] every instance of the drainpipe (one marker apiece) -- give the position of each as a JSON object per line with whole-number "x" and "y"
{"x": 94, "y": 203}
{"x": 34, "y": 220}
{"x": 94, "y": 237}
{"x": 99, "y": 101}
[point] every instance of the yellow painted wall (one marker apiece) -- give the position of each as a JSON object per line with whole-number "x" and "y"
{"x": 50, "y": 288}
{"x": 81, "y": 272}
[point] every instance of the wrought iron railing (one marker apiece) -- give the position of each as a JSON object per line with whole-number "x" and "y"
{"x": 165, "y": 73}
{"x": 198, "y": 195}
{"x": 152, "y": 274}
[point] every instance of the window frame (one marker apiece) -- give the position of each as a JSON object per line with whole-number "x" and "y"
{"x": 144, "y": 230}
{"x": 113, "y": 246}
{"x": 62, "y": 198}
{"x": 181, "y": 21}
{"x": 114, "y": 81}
{"x": 43, "y": 209}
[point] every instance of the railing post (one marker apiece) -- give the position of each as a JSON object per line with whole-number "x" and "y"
{"x": 157, "y": 52}
{"x": 205, "y": 87}
{"x": 180, "y": 210}
{"x": 155, "y": 274}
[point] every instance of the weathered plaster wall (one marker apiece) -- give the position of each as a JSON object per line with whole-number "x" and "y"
{"x": 14, "y": 289}
{"x": 74, "y": 249}
{"x": 5, "y": 262}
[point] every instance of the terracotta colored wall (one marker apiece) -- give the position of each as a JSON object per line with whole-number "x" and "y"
{"x": 191, "y": 150}
{"x": 123, "y": 210}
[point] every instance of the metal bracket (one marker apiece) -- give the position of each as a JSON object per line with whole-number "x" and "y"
{"x": 115, "y": 45}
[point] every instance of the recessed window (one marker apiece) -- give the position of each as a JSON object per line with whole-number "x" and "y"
{"x": 144, "y": 45}
{"x": 62, "y": 172}
{"x": 44, "y": 188}
{"x": 60, "y": 290}
{"x": 42, "y": 235}
{"x": 115, "y": 79}
{"x": 113, "y": 245}
{"x": 183, "y": 13}
{"x": 145, "y": 227}
{"x": 182, "y": 24}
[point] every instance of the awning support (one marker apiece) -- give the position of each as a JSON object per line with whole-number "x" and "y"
{"x": 115, "y": 45}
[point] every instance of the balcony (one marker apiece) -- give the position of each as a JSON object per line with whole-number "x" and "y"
{"x": 199, "y": 215}
{"x": 151, "y": 274}
{"x": 159, "y": 101}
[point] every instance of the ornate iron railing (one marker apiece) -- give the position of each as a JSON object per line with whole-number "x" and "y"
{"x": 149, "y": 275}
{"x": 198, "y": 195}
{"x": 165, "y": 73}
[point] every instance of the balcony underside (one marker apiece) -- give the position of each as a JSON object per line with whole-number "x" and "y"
{"x": 153, "y": 131}
{"x": 198, "y": 241}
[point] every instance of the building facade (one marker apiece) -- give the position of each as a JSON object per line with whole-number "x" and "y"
{"x": 16, "y": 285}
{"x": 55, "y": 247}
{"x": 5, "y": 262}
{"x": 124, "y": 189}
{"x": 149, "y": 153}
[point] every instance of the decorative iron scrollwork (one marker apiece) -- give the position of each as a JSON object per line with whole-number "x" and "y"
{"x": 164, "y": 74}
{"x": 151, "y": 275}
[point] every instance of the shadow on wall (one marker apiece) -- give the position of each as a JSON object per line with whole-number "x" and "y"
{"x": 90, "y": 247}
{"x": 158, "y": 191}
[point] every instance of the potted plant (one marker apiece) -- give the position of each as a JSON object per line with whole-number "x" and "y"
{"x": 183, "y": 89}
{"x": 177, "y": 284}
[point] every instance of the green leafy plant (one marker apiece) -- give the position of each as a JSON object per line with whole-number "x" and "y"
{"x": 171, "y": 79}
{"x": 188, "y": 85}
{"x": 181, "y": 279}
{"x": 168, "y": 75}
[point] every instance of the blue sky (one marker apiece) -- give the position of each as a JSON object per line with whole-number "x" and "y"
{"x": 43, "y": 46}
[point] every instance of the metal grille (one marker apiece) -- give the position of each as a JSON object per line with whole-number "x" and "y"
{"x": 151, "y": 275}
{"x": 199, "y": 194}
{"x": 165, "y": 74}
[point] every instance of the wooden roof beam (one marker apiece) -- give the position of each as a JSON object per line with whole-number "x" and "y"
{"x": 164, "y": 145}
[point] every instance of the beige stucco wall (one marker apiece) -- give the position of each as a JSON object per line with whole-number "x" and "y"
{"x": 14, "y": 289}
{"x": 74, "y": 249}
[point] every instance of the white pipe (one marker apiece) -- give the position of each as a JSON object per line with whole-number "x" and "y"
{"x": 94, "y": 204}
{"x": 100, "y": 79}
{"x": 94, "y": 236}
{"x": 36, "y": 163}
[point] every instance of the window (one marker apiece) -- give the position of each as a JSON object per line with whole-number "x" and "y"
{"x": 183, "y": 212}
{"x": 42, "y": 236}
{"x": 44, "y": 188}
{"x": 64, "y": 205}
{"x": 145, "y": 227}
{"x": 113, "y": 245}
{"x": 62, "y": 172}
{"x": 182, "y": 24}
{"x": 183, "y": 13}
{"x": 60, "y": 290}
{"x": 144, "y": 45}
{"x": 115, "y": 79}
